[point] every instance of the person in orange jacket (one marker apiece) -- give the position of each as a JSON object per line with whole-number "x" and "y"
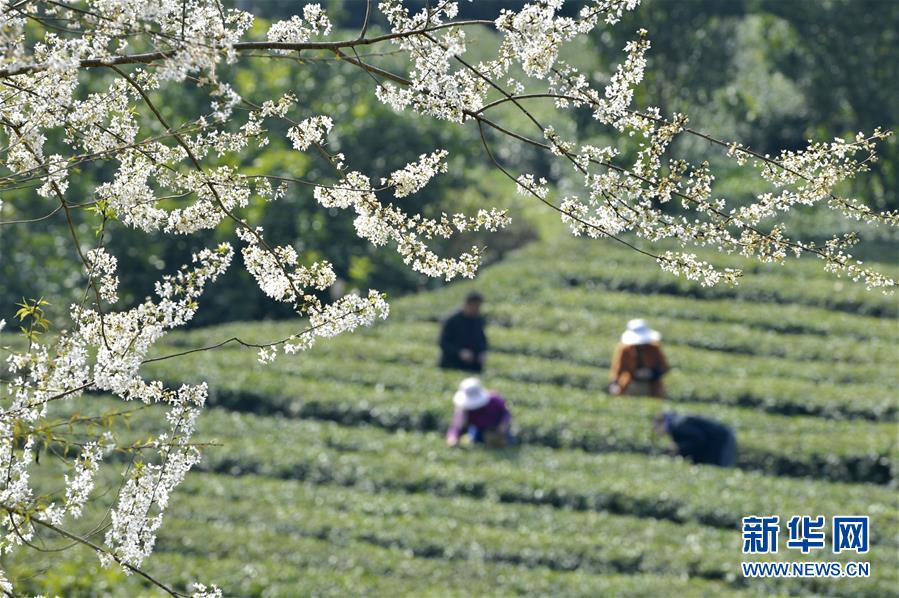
{"x": 639, "y": 363}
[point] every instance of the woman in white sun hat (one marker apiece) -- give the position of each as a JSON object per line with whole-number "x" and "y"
{"x": 480, "y": 413}
{"x": 639, "y": 363}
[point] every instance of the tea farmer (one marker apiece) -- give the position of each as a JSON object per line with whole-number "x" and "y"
{"x": 480, "y": 413}
{"x": 463, "y": 343}
{"x": 639, "y": 363}
{"x": 699, "y": 439}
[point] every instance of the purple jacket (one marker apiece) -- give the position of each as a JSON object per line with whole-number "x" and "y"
{"x": 493, "y": 415}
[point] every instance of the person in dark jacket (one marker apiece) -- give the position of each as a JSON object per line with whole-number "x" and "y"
{"x": 480, "y": 413}
{"x": 700, "y": 439}
{"x": 463, "y": 343}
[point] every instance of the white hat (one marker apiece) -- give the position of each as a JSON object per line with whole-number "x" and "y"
{"x": 471, "y": 395}
{"x": 639, "y": 333}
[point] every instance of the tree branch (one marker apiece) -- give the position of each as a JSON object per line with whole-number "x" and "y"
{"x": 97, "y": 548}
{"x": 150, "y": 57}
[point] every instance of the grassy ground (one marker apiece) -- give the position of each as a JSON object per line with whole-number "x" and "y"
{"x": 331, "y": 477}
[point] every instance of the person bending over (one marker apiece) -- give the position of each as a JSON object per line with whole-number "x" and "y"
{"x": 480, "y": 413}
{"x": 639, "y": 363}
{"x": 699, "y": 439}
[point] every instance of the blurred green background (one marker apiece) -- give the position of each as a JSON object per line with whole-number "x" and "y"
{"x": 766, "y": 73}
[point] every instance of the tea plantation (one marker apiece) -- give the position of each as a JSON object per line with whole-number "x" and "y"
{"x": 329, "y": 475}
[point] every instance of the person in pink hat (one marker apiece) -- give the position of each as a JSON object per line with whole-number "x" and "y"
{"x": 480, "y": 413}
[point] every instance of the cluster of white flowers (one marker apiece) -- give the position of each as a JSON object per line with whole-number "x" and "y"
{"x": 80, "y": 485}
{"x": 103, "y": 268}
{"x": 310, "y": 131}
{"x": 535, "y": 33}
{"x": 143, "y": 498}
{"x": 415, "y": 175}
{"x": 325, "y": 321}
{"x": 527, "y": 185}
{"x": 691, "y": 267}
{"x": 296, "y": 30}
{"x": 104, "y": 352}
{"x": 434, "y": 88}
{"x": 202, "y": 591}
{"x": 279, "y": 274}
{"x": 54, "y": 120}
{"x": 381, "y": 223}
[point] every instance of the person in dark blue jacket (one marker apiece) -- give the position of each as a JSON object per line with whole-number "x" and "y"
{"x": 699, "y": 439}
{"x": 463, "y": 342}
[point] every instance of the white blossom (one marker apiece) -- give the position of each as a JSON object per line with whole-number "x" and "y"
{"x": 202, "y": 591}
{"x": 103, "y": 268}
{"x": 55, "y": 119}
{"x": 314, "y": 22}
{"x": 415, "y": 175}
{"x": 310, "y": 131}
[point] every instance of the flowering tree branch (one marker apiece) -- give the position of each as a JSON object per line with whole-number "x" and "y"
{"x": 14, "y": 513}
{"x": 55, "y": 120}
